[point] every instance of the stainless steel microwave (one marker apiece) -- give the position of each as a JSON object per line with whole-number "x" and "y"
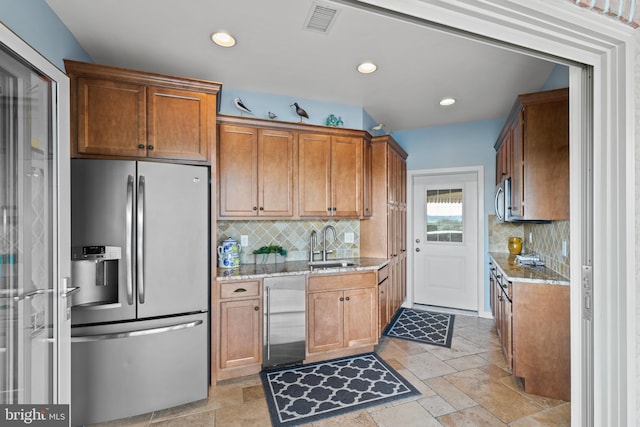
{"x": 502, "y": 201}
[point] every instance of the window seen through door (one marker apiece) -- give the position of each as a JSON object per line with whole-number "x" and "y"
{"x": 444, "y": 215}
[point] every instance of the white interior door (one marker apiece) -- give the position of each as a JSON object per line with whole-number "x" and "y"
{"x": 445, "y": 240}
{"x": 34, "y": 231}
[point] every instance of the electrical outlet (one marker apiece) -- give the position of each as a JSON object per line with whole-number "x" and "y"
{"x": 349, "y": 238}
{"x": 564, "y": 248}
{"x": 244, "y": 240}
{"x": 530, "y": 237}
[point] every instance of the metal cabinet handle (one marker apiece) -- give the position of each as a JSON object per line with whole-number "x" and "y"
{"x": 347, "y": 298}
{"x": 417, "y": 249}
{"x": 240, "y": 290}
{"x": 141, "y": 146}
{"x": 341, "y": 299}
{"x": 150, "y": 147}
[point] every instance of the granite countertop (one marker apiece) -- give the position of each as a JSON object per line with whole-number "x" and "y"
{"x": 526, "y": 274}
{"x": 258, "y": 271}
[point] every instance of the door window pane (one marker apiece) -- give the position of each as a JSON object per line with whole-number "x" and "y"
{"x": 26, "y": 233}
{"x": 443, "y": 217}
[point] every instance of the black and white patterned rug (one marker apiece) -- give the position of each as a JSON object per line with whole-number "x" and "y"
{"x": 325, "y": 389}
{"x": 422, "y": 326}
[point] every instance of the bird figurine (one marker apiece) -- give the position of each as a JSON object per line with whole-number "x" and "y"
{"x": 300, "y": 111}
{"x": 272, "y": 115}
{"x": 240, "y": 106}
{"x": 378, "y": 127}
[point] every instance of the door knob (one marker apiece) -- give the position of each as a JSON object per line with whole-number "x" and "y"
{"x": 417, "y": 249}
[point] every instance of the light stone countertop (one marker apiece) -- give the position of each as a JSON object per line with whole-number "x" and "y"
{"x": 259, "y": 271}
{"x": 526, "y": 274}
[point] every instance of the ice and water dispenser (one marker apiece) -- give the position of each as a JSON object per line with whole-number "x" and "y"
{"x": 95, "y": 271}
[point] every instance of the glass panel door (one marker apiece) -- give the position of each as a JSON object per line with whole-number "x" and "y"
{"x": 32, "y": 363}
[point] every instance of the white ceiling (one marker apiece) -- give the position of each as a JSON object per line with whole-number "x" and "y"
{"x": 417, "y": 66}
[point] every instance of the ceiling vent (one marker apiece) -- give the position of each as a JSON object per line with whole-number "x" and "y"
{"x": 321, "y": 17}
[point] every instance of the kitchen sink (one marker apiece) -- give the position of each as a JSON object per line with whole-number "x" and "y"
{"x": 332, "y": 263}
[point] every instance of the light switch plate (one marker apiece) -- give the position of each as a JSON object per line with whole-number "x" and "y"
{"x": 244, "y": 240}
{"x": 349, "y": 238}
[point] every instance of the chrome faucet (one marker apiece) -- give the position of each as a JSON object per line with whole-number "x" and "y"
{"x": 324, "y": 240}
{"x": 313, "y": 241}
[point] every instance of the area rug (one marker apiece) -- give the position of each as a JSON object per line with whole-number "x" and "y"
{"x": 422, "y": 326}
{"x": 308, "y": 393}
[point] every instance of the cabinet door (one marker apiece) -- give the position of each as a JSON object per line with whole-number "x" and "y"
{"x": 367, "y": 196}
{"x": 111, "y": 118}
{"x": 360, "y": 317}
{"x": 492, "y": 294}
{"x": 237, "y": 169}
{"x": 275, "y": 173}
{"x": 325, "y": 321}
{"x": 177, "y": 124}
{"x": 315, "y": 175}
{"x": 383, "y": 308}
{"x": 346, "y": 176}
{"x": 517, "y": 167}
{"x": 240, "y": 333}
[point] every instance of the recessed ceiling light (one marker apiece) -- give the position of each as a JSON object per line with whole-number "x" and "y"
{"x": 367, "y": 67}
{"x": 223, "y": 39}
{"x": 447, "y": 101}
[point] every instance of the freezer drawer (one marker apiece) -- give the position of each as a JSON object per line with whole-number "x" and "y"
{"x": 133, "y": 368}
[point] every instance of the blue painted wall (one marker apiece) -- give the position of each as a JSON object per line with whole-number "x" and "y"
{"x": 36, "y": 24}
{"x": 558, "y": 78}
{"x": 260, "y": 104}
{"x": 466, "y": 144}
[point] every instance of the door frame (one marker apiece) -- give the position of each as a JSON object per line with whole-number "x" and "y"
{"x": 481, "y": 228}
{"x": 602, "y": 132}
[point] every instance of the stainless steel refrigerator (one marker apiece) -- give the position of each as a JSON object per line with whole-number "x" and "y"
{"x": 140, "y": 323}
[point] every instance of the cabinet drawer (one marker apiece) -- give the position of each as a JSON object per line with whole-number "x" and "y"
{"x": 342, "y": 281}
{"x": 383, "y": 273}
{"x": 239, "y": 289}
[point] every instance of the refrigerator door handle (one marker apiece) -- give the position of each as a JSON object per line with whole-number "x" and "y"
{"x": 138, "y": 333}
{"x": 129, "y": 240}
{"x": 140, "y": 239}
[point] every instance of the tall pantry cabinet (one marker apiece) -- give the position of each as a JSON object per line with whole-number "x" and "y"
{"x": 383, "y": 235}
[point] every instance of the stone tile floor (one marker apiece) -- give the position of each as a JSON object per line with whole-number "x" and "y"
{"x": 466, "y": 385}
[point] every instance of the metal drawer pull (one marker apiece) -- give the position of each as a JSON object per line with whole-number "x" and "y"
{"x": 139, "y": 333}
{"x": 240, "y": 290}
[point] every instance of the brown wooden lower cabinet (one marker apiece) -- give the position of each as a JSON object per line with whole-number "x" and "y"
{"x": 342, "y": 314}
{"x": 532, "y": 321}
{"x": 238, "y": 310}
{"x": 541, "y": 339}
{"x": 342, "y": 320}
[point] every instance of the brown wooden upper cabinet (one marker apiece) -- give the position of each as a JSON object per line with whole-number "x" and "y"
{"x": 268, "y": 168}
{"x": 124, "y": 113}
{"x": 255, "y": 172}
{"x": 331, "y": 175}
{"x": 533, "y": 150}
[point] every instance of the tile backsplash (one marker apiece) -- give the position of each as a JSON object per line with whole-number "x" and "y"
{"x": 546, "y": 241}
{"x": 293, "y": 236}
